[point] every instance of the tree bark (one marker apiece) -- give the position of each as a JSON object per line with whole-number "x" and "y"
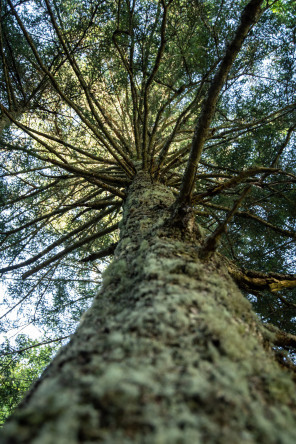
{"x": 169, "y": 353}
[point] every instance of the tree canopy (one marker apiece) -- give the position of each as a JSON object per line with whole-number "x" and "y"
{"x": 199, "y": 93}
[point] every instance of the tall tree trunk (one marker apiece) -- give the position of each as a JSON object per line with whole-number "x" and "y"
{"x": 170, "y": 351}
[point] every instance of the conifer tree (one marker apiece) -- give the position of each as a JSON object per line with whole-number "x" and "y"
{"x": 159, "y": 135}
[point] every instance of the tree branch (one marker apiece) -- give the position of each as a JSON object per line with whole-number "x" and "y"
{"x": 57, "y": 243}
{"x": 250, "y": 15}
{"x": 35, "y": 345}
{"x": 232, "y": 182}
{"x": 211, "y": 244}
{"x": 245, "y": 214}
{"x": 249, "y": 279}
{"x": 70, "y": 248}
{"x": 101, "y": 254}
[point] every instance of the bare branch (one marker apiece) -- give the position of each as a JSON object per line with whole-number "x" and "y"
{"x": 101, "y": 254}
{"x": 35, "y": 345}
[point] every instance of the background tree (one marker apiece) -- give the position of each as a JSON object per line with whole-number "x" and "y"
{"x": 185, "y": 113}
{"x": 19, "y": 368}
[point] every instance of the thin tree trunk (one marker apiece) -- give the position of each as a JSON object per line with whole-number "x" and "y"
{"x": 169, "y": 353}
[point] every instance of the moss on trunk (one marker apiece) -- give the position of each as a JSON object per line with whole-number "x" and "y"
{"x": 169, "y": 353}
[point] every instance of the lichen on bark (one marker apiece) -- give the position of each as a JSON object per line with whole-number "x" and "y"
{"x": 169, "y": 353}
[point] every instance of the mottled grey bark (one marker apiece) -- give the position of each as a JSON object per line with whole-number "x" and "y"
{"x": 170, "y": 351}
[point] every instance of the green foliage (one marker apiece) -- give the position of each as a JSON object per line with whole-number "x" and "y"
{"x": 18, "y": 371}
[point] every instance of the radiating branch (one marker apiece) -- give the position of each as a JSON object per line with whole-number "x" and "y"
{"x": 250, "y": 15}
{"x": 71, "y": 248}
{"x": 147, "y": 87}
{"x": 58, "y": 242}
{"x": 112, "y": 150}
{"x": 89, "y": 97}
{"x": 280, "y": 337}
{"x": 101, "y": 254}
{"x": 233, "y": 182}
{"x": 39, "y": 344}
{"x": 245, "y": 214}
{"x": 211, "y": 243}
{"x": 254, "y": 280}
